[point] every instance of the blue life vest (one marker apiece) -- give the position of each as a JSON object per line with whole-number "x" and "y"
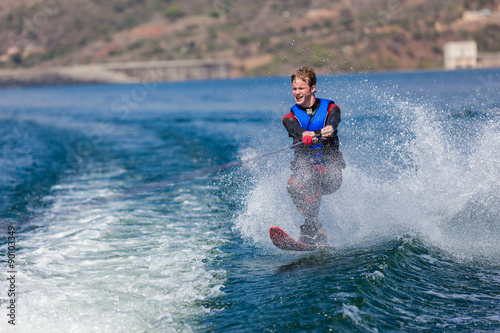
{"x": 313, "y": 123}
{"x": 318, "y": 121}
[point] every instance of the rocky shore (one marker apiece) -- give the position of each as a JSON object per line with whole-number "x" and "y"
{"x": 19, "y": 78}
{"x": 125, "y": 72}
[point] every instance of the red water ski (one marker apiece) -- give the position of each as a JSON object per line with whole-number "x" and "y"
{"x": 285, "y": 242}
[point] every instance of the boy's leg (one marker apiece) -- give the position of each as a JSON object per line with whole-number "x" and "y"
{"x": 331, "y": 180}
{"x": 304, "y": 187}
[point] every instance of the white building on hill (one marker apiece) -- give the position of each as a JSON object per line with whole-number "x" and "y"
{"x": 460, "y": 55}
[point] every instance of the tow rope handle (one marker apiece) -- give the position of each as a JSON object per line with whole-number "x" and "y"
{"x": 307, "y": 140}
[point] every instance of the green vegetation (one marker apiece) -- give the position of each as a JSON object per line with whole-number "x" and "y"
{"x": 488, "y": 38}
{"x": 174, "y": 12}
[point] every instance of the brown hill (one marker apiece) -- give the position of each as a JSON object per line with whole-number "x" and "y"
{"x": 259, "y": 37}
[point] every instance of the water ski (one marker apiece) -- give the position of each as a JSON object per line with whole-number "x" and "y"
{"x": 285, "y": 242}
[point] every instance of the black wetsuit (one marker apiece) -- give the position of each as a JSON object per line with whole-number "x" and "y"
{"x": 314, "y": 177}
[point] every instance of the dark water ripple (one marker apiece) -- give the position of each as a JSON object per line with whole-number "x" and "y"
{"x": 395, "y": 285}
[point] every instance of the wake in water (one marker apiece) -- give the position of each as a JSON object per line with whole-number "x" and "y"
{"x": 414, "y": 169}
{"x": 417, "y": 214}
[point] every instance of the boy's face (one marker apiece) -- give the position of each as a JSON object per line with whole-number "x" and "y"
{"x": 303, "y": 94}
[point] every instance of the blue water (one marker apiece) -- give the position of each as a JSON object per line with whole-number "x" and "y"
{"x": 417, "y": 217}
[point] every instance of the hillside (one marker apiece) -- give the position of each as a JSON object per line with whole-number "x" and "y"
{"x": 259, "y": 37}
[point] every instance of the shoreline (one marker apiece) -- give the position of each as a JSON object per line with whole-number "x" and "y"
{"x": 108, "y": 73}
{"x": 18, "y": 78}
{"x": 128, "y": 72}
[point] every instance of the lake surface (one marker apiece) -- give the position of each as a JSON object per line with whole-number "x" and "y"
{"x": 105, "y": 243}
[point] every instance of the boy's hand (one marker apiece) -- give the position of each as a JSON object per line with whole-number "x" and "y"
{"x": 311, "y": 134}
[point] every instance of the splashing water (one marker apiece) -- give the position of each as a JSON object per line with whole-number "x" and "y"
{"x": 411, "y": 168}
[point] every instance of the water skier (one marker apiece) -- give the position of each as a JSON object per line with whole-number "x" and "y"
{"x": 316, "y": 168}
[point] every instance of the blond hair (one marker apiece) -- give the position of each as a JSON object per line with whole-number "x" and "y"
{"x": 305, "y": 74}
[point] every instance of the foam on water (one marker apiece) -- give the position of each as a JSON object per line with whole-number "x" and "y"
{"x": 121, "y": 265}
